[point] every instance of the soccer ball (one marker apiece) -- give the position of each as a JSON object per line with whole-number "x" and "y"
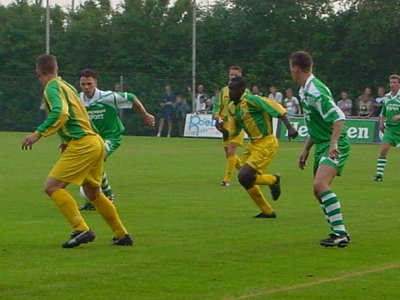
{"x": 82, "y": 193}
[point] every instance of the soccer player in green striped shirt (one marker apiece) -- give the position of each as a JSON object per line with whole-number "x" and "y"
{"x": 325, "y": 123}
{"x": 389, "y": 124}
{"x": 253, "y": 114}
{"x": 102, "y": 107}
{"x": 81, "y": 161}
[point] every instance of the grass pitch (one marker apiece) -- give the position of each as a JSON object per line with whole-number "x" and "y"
{"x": 193, "y": 238}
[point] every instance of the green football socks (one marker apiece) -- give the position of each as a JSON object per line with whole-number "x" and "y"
{"x": 332, "y": 209}
{"x": 105, "y": 186}
{"x": 380, "y": 167}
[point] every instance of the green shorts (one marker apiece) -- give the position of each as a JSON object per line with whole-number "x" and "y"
{"x": 392, "y": 135}
{"x": 321, "y": 155}
{"x": 111, "y": 145}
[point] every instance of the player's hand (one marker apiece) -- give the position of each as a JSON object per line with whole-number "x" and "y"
{"x": 334, "y": 151}
{"x": 225, "y": 134}
{"x": 219, "y": 125}
{"x": 149, "y": 120}
{"x": 292, "y": 133}
{"x": 395, "y": 118}
{"x": 29, "y": 140}
{"x": 62, "y": 147}
{"x": 303, "y": 159}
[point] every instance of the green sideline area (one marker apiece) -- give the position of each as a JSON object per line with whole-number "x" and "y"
{"x": 195, "y": 239}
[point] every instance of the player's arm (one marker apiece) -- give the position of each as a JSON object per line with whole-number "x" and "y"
{"x": 217, "y": 112}
{"x": 220, "y": 107}
{"x": 336, "y": 133}
{"x": 215, "y": 108}
{"x": 148, "y": 119}
{"x": 292, "y": 132}
{"x": 395, "y": 118}
{"x": 276, "y": 110}
{"x": 233, "y": 128}
{"x": 56, "y": 118}
{"x": 58, "y": 111}
{"x": 304, "y": 155}
{"x": 382, "y": 123}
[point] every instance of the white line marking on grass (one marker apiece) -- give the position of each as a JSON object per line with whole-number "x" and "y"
{"x": 308, "y": 284}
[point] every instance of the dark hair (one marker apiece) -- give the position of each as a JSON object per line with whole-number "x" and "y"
{"x": 238, "y": 81}
{"x": 87, "y": 73}
{"x": 47, "y": 64}
{"x": 302, "y": 59}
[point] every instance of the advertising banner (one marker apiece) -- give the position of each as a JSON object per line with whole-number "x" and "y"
{"x": 358, "y": 130}
{"x": 202, "y": 125}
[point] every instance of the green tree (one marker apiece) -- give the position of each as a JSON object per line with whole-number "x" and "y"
{"x": 21, "y": 36}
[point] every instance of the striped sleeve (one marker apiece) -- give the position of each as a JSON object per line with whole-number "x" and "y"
{"x": 118, "y": 100}
{"x": 58, "y": 110}
{"x": 270, "y": 106}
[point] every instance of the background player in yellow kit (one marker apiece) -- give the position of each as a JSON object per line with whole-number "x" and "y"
{"x": 220, "y": 111}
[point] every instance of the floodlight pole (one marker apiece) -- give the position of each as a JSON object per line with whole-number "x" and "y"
{"x": 194, "y": 56}
{"x": 47, "y": 27}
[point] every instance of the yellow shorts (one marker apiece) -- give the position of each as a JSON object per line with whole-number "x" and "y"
{"x": 235, "y": 139}
{"x": 82, "y": 162}
{"x": 260, "y": 153}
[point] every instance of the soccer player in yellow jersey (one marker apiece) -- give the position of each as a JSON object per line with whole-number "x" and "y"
{"x": 254, "y": 114}
{"x": 82, "y": 159}
{"x": 220, "y": 111}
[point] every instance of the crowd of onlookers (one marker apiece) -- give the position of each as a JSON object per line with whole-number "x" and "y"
{"x": 174, "y": 107}
{"x": 365, "y": 105}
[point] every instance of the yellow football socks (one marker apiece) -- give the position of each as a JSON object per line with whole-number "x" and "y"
{"x": 230, "y": 165}
{"x": 259, "y": 199}
{"x": 265, "y": 179}
{"x": 107, "y": 210}
{"x": 238, "y": 162}
{"x": 68, "y": 207}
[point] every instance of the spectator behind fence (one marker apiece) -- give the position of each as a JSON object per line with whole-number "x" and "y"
{"x": 181, "y": 108}
{"x": 345, "y": 104}
{"x": 209, "y": 106}
{"x": 214, "y": 98}
{"x": 255, "y": 90}
{"x": 378, "y": 102}
{"x": 291, "y": 103}
{"x": 274, "y": 94}
{"x": 167, "y": 110}
{"x": 364, "y": 104}
{"x": 200, "y": 100}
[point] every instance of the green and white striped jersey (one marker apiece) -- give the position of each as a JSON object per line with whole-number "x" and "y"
{"x": 320, "y": 110}
{"x": 390, "y": 108}
{"x": 103, "y": 111}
